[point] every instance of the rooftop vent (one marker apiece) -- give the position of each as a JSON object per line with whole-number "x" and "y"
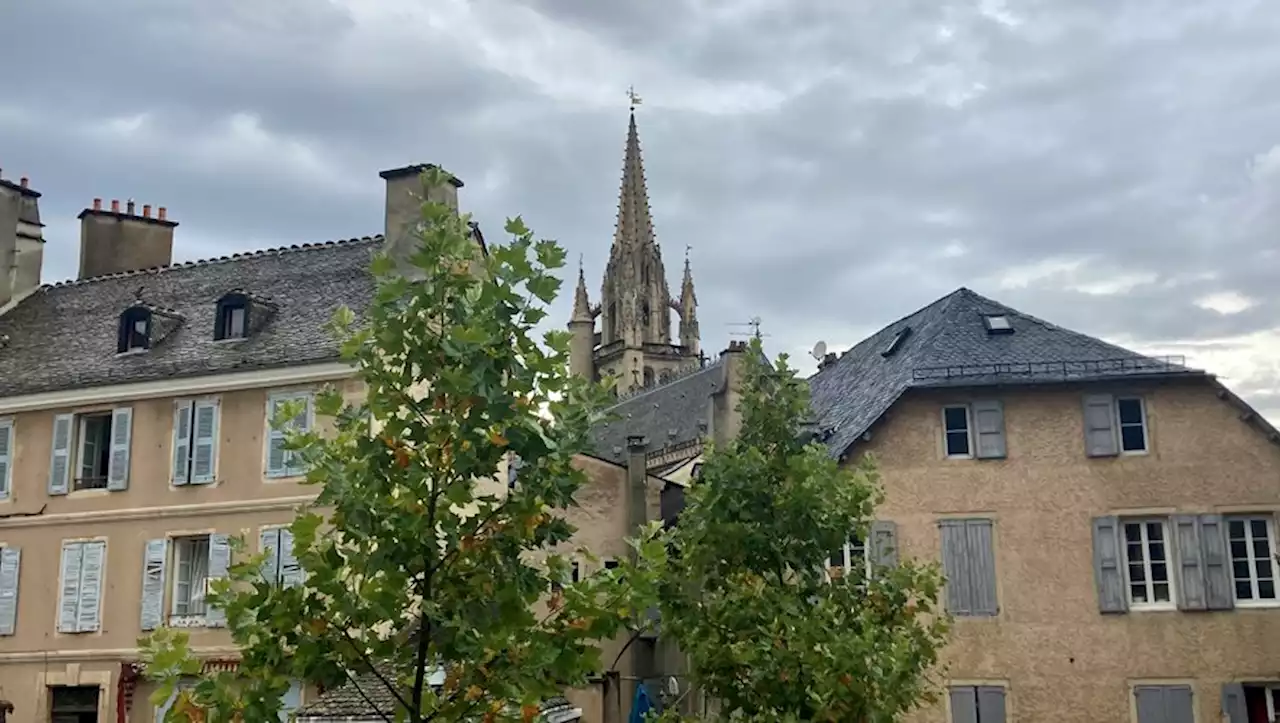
{"x": 894, "y": 345}
{"x": 997, "y": 324}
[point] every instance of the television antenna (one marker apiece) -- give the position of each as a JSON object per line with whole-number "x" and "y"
{"x": 753, "y": 323}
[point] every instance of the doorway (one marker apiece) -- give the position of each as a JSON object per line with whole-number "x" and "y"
{"x": 73, "y": 704}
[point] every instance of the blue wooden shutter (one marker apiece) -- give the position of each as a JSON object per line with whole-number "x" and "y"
{"x": 884, "y": 541}
{"x": 154, "y": 556}
{"x": 1234, "y": 708}
{"x": 6, "y": 458}
{"x": 1108, "y": 575}
{"x": 964, "y": 705}
{"x": 182, "y": 443}
{"x": 60, "y": 458}
{"x": 991, "y": 707}
{"x": 1219, "y": 591}
{"x": 988, "y": 420}
{"x": 92, "y": 566}
{"x": 269, "y": 539}
{"x": 1100, "y": 438}
{"x": 10, "y": 573}
{"x": 277, "y": 456}
{"x": 219, "y": 561}
{"x": 290, "y": 570}
{"x": 1190, "y": 563}
{"x": 121, "y": 440}
{"x": 204, "y": 456}
{"x": 69, "y": 588}
{"x": 956, "y": 568}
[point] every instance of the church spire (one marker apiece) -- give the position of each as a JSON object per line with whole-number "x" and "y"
{"x": 689, "y": 333}
{"x": 581, "y": 303}
{"x": 635, "y": 225}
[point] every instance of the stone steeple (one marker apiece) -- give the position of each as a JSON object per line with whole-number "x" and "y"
{"x": 689, "y": 335}
{"x": 634, "y": 343}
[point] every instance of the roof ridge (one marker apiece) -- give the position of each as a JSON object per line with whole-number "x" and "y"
{"x": 240, "y": 256}
{"x": 943, "y": 300}
{"x": 679, "y": 376}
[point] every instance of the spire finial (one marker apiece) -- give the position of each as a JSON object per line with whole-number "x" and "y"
{"x": 687, "y": 249}
{"x": 633, "y": 97}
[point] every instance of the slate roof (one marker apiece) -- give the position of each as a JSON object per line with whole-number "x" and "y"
{"x": 65, "y": 335}
{"x": 366, "y": 698}
{"x": 949, "y": 345}
{"x": 671, "y": 414}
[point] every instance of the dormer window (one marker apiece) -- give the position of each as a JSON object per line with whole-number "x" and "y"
{"x": 233, "y": 317}
{"x": 135, "y": 330}
{"x": 997, "y": 324}
{"x": 894, "y": 345}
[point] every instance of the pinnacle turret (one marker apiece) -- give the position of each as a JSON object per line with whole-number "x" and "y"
{"x": 581, "y": 303}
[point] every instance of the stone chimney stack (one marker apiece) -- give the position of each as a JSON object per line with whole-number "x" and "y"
{"x": 726, "y": 418}
{"x": 405, "y": 195}
{"x": 114, "y": 241}
{"x": 21, "y": 241}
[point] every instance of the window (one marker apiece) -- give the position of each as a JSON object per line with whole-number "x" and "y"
{"x": 190, "y": 580}
{"x": 1146, "y": 555}
{"x": 575, "y": 571}
{"x": 283, "y": 462}
{"x": 232, "y": 318}
{"x": 968, "y": 561}
{"x": 852, "y": 556}
{"x": 977, "y": 704}
{"x": 896, "y": 344}
{"x": 611, "y": 564}
{"x": 955, "y": 421}
{"x": 80, "y": 588}
{"x": 1252, "y": 547}
{"x": 648, "y": 377}
{"x": 73, "y": 704}
{"x": 281, "y": 566}
{"x": 997, "y": 324}
{"x": 91, "y": 451}
{"x": 1164, "y": 703}
{"x": 1133, "y": 428}
{"x": 6, "y": 458}
{"x": 135, "y": 330}
{"x": 10, "y": 571}
{"x": 195, "y": 441}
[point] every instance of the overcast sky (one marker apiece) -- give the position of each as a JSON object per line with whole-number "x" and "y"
{"x": 1109, "y": 165}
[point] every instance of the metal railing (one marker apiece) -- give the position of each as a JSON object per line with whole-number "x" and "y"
{"x": 1055, "y": 369}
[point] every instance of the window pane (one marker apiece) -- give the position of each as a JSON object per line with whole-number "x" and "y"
{"x": 1159, "y": 572}
{"x": 1240, "y": 549}
{"x": 1137, "y": 573}
{"x": 1263, "y": 567}
{"x": 1130, "y": 411}
{"x": 1266, "y": 589}
{"x": 1235, "y": 528}
{"x": 1161, "y": 592}
{"x": 1155, "y": 531}
{"x": 957, "y": 443}
{"x": 1259, "y": 528}
{"x": 1240, "y": 568}
{"x": 1133, "y": 532}
{"x": 957, "y": 419}
{"x": 1133, "y": 438}
{"x": 1244, "y": 591}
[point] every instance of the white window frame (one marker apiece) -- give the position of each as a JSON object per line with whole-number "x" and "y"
{"x": 968, "y": 423}
{"x": 849, "y": 551}
{"x": 1120, "y": 425}
{"x": 1255, "y": 601}
{"x": 187, "y": 619}
{"x": 1169, "y": 562}
{"x": 80, "y": 426}
{"x": 1271, "y": 691}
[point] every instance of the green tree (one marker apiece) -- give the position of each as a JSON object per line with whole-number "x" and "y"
{"x": 415, "y": 553}
{"x": 771, "y": 633}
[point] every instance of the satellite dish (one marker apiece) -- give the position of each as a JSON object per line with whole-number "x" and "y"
{"x": 819, "y": 350}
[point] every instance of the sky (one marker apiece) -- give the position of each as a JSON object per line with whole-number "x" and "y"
{"x": 1112, "y": 166}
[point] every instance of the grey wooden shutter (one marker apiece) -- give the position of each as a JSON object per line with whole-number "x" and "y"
{"x": 10, "y": 573}
{"x": 1233, "y": 703}
{"x": 988, "y": 418}
{"x": 121, "y": 440}
{"x": 206, "y": 442}
{"x": 219, "y": 561}
{"x": 884, "y": 543}
{"x": 991, "y": 708}
{"x": 69, "y": 592}
{"x": 1108, "y": 575}
{"x": 6, "y": 458}
{"x": 182, "y": 443}
{"x": 955, "y": 567}
{"x": 276, "y": 453}
{"x": 1219, "y": 591}
{"x": 269, "y": 539}
{"x": 1190, "y": 567}
{"x": 964, "y": 705}
{"x": 60, "y": 458}
{"x": 1178, "y": 705}
{"x": 1100, "y": 438}
{"x": 290, "y": 570}
{"x": 968, "y": 559}
{"x": 92, "y": 564}
{"x": 1150, "y": 700}
{"x": 154, "y": 557}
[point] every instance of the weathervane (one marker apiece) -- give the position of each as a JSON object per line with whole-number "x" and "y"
{"x": 633, "y": 97}
{"x": 687, "y": 249}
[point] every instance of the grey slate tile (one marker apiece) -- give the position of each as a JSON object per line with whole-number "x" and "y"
{"x": 668, "y": 415}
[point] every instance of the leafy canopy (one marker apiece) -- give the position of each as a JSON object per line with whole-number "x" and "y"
{"x": 772, "y": 634}
{"x": 415, "y": 553}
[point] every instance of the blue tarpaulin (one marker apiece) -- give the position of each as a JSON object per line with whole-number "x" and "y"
{"x": 641, "y": 706}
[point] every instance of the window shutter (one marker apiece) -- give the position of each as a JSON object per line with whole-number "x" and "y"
{"x": 1190, "y": 567}
{"x": 1234, "y": 709}
{"x": 884, "y": 540}
{"x": 182, "y": 443}
{"x": 1150, "y": 701}
{"x": 290, "y": 570}
{"x": 10, "y": 568}
{"x": 276, "y": 453}
{"x": 206, "y": 442}
{"x": 980, "y": 549}
{"x": 153, "y": 563}
{"x": 269, "y": 539}
{"x": 988, "y": 417}
{"x": 964, "y": 705}
{"x": 6, "y": 458}
{"x": 92, "y": 563}
{"x": 1108, "y": 576}
{"x": 956, "y": 568}
{"x": 60, "y": 459}
{"x": 1178, "y": 705}
{"x": 291, "y": 701}
{"x": 1100, "y": 426}
{"x": 69, "y": 596}
{"x": 991, "y": 704}
{"x": 219, "y": 561}
{"x": 121, "y": 437}
{"x": 1219, "y": 593}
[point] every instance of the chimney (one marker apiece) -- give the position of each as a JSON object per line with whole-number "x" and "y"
{"x": 21, "y": 241}
{"x": 113, "y": 242}
{"x": 404, "y": 205}
{"x": 726, "y": 418}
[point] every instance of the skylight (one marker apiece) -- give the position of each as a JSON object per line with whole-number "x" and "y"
{"x": 898, "y": 338}
{"x": 998, "y": 324}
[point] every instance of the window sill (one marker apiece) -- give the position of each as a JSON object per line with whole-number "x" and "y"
{"x": 188, "y": 621}
{"x": 231, "y": 340}
{"x": 1153, "y": 607}
{"x": 1257, "y": 604}
{"x": 958, "y": 456}
{"x": 272, "y": 479}
{"x": 1134, "y": 452}
{"x": 132, "y": 352}
{"x": 89, "y": 493}
{"x": 174, "y": 484}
